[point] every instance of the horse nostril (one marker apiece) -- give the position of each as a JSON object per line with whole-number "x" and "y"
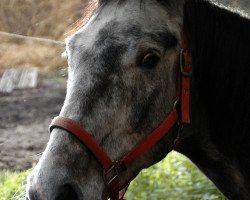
{"x": 67, "y": 192}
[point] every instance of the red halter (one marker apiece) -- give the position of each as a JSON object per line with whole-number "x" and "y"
{"x": 112, "y": 169}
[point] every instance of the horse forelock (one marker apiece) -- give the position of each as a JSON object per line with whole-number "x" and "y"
{"x": 87, "y": 12}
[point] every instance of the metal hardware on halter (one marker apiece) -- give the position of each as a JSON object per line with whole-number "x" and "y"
{"x": 183, "y": 63}
{"x": 176, "y": 108}
{"x": 175, "y": 104}
{"x": 114, "y": 173}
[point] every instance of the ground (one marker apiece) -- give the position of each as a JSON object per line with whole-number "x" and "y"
{"x": 24, "y": 119}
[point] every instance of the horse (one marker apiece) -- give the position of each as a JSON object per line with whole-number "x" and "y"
{"x": 125, "y": 67}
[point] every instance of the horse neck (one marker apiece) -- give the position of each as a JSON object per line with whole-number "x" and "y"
{"x": 220, "y": 44}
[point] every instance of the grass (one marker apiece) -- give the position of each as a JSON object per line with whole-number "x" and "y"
{"x": 174, "y": 178}
{"x": 12, "y": 185}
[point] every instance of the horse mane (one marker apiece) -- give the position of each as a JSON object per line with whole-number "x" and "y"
{"x": 220, "y": 44}
{"x": 88, "y": 10}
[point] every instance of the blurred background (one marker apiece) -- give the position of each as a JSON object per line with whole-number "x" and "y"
{"x": 25, "y": 112}
{"x": 49, "y": 19}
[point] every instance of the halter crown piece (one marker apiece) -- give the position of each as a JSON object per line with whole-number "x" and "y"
{"x": 113, "y": 169}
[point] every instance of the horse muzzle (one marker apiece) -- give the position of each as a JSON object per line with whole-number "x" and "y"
{"x": 57, "y": 187}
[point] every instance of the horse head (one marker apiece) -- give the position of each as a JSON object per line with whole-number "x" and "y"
{"x": 121, "y": 85}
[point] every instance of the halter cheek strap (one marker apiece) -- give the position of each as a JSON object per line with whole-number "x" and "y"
{"x": 185, "y": 74}
{"x": 113, "y": 169}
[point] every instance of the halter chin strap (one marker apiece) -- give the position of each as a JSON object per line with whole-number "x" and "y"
{"x": 113, "y": 169}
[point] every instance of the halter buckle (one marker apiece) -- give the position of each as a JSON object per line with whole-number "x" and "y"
{"x": 111, "y": 174}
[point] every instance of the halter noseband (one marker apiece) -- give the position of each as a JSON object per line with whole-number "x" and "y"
{"x": 112, "y": 169}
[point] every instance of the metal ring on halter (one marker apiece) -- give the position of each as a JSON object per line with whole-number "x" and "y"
{"x": 175, "y": 104}
{"x": 175, "y": 109}
{"x": 183, "y": 72}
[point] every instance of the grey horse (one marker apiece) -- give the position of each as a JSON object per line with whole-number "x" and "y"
{"x": 123, "y": 66}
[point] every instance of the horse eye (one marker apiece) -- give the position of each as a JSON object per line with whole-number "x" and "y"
{"x": 149, "y": 60}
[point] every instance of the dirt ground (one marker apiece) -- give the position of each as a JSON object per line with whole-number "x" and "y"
{"x": 24, "y": 119}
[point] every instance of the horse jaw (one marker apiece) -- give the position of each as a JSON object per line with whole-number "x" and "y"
{"x": 113, "y": 98}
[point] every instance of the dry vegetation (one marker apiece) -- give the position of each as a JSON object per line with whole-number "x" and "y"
{"x": 26, "y": 54}
{"x": 46, "y": 19}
